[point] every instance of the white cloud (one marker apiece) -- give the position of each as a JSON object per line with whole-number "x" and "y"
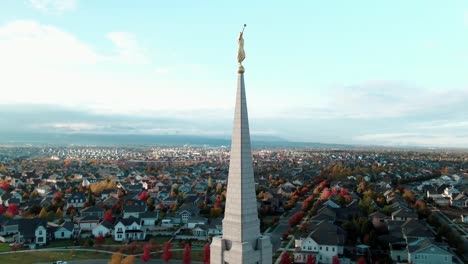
{"x": 43, "y": 64}
{"x": 26, "y": 43}
{"x": 127, "y": 47}
{"x": 75, "y": 127}
{"x": 426, "y": 139}
{"x": 53, "y": 6}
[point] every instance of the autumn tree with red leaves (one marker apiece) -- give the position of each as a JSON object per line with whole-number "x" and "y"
{"x": 2, "y": 209}
{"x": 311, "y": 259}
{"x": 325, "y": 194}
{"x": 100, "y": 239}
{"x": 334, "y": 191}
{"x": 146, "y": 253}
{"x": 306, "y": 205}
{"x": 323, "y": 184}
{"x": 108, "y": 216}
{"x": 206, "y": 254}
{"x": 143, "y": 196}
{"x": 343, "y": 192}
{"x": 296, "y": 218}
{"x": 285, "y": 259}
{"x": 187, "y": 254}
{"x": 13, "y": 209}
{"x": 5, "y": 186}
{"x": 336, "y": 260}
{"x": 167, "y": 253}
{"x": 361, "y": 260}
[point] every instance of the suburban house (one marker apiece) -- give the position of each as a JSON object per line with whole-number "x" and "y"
{"x": 65, "y": 231}
{"x": 426, "y": 251}
{"x": 94, "y": 210}
{"x": 186, "y": 212}
{"x": 104, "y": 228}
{"x": 325, "y": 241}
{"x": 403, "y": 215}
{"x": 133, "y": 211}
{"x": 459, "y": 200}
{"x": 31, "y": 231}
{"x": 149, "y": 218}
{"x": 129, "y": 229}
{"x": 87, "y": 223}
{"x": 77, "y": 200}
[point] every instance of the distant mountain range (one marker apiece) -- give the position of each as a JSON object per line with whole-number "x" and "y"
{"x": 159, "y": 140}
{"x": 258, "y": 141}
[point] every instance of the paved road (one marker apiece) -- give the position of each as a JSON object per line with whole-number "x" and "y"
{"x": 282, "y": 227}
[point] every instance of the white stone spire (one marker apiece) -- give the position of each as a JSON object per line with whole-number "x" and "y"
{"x": 241, "y": 241}
{"x": 241, "y": 222}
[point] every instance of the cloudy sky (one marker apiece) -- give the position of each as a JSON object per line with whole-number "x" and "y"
{"x": 359, "y": 72}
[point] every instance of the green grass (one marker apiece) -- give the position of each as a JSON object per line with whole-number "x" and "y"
{"x": 60, "y": 243}
{"x": 4, "y": 247}
{"x": 161, "y": 239}
{"x": 49, "y": 256}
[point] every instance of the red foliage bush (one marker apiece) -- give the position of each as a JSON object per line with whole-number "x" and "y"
{"x": 206, "y": 254}
{"x": 187, "y": 254}
{"x": 167, "y": 253}
{"x": 146, "y": 253}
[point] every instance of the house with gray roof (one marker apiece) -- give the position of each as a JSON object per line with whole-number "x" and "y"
{"x": 427, "y": 251}
{"x": 325, "y": 241}
{"x": 129, "y": 229}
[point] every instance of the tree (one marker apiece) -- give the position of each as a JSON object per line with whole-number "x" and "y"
{"x": 336, "y": 260}
{"x": 130, "y": 259}
{"x": 206, "y": 254}
{"x": 343, "y": 192}
{"x": 361, "y": 260}
{"x": 108, "y": 216}
{"x": 285, "y": 259}
{"x": 146, "y": 253}
{"x": 13, "y": 209}
{"x": 59, "y": 213}
{"x": 100, "y": 239}
{"x": 5, "y": 186}
{"x": 167, "y": 253}
{"x": 43, "y": 213}
{"x": 306, "y": 205}
{"x": 325, "y": 194}
{"x": 296, "y": 218}
{"x": 143, "y": 196}
{"x": 2, "y": 209}
{"x": 116, "y": 258}
{"x": 311, "y": 259}
{"x": 187, "y": 254}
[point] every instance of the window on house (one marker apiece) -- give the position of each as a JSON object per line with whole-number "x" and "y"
{"x": 40, "y": 232}
{"x": 333, "y": 249}
{"x": 326, "y": 248}
{"x": 320, "y": 247}
{"x": 63, "y": 234}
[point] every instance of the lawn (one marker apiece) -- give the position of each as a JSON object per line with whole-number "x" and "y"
{"x": 4, "y": 247}
{"x": 49, "y": 256}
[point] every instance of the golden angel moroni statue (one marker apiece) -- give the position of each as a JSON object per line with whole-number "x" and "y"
{"x": 241, "y": 52}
